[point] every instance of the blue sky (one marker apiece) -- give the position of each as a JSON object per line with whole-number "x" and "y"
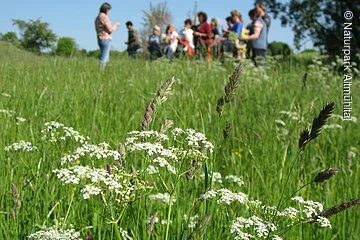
{"x": 75, "y": 18}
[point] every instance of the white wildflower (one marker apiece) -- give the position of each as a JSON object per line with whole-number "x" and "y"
{"x": 311, "y": 208}
{"x": 237, "y": 227}
{"x": 165, "y": 222}
{"x": 241, "y": 226}
{"x": 89, "y": 190}
{"x": 208, "y": 195}
{"x": 20, "y": 120}
{"x": 324, "y": 222}
{"x": 164, "y": 197}
{"x": 352, "y": 153}
{"x": 227, "y": 197}
{"x": 293, "y": 115}
{"x": 7, "y": 112}
{"x": 151, "y": 169}
{"x": 255, "y": 203}
{"x": 280, "y": 123}
{"x": 119, "y": 182}
{"x": 52, "y": 233}
{"x": 152, "y": 149}
{"x": 5, "y": 94}
{"x": 57, "y": 132}
{"x": 163, "y": 163}
{"x": 135, "y": 135}
{"x": 192, "y": 220}
{"x": 177, "y": 131}
{"x": 332, "y": 126}
{"x": 99, "y": 151}
{"x": 193, "y": 138}
{"x": 67, "y": 176}
{"x": 269, "y": 209}
{"x": 234, "y": 179}
{"x": 21, "y": 146}
{"x": 216, "y": 177}
{"x": 125, "y": 234}
{"x": 289, "y": 212}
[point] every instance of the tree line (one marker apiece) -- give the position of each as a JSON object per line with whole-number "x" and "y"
{"x": 319, "y": 21}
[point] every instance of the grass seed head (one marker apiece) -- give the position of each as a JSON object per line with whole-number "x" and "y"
{"x": 16, "y": 195}
{"x": 227, "y": 130}
{"x": 317, "y": 124}
{"x": 335, "y": 210}
{"x": 325, "y": 175}
{"x": 321, "y": 119}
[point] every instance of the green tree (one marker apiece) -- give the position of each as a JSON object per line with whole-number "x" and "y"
{"x": 158, "y": 14}
{"x": 321, "y": 21}
{"x": 66, "y": 46}
{"x": 279, "y": 48}
{"x": 36, "y": 35}
{"x": 10, "y": 37}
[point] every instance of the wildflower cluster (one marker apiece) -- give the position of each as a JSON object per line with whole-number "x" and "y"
{"x": 7, "y": 112}
{"x": 57, "y": 132}
{"x": 273, "y": 221}
{"x": 226, "y": 196}
{"x": 21, "y": 146}
{"x": 192, "y": 220}
{"x": 217, "y": 178}
{"x": 100, "y": 151}
{"x": 191, "y": 147}
{"x": 254, "y": 224}
{"x": 122, "y": 186}
{"x": 310, "y": 208}
{"x": 163, "y": 197}
{"x": 56, "y": 233}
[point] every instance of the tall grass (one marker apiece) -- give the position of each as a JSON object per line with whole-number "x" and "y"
{"x": 106, "y": 105}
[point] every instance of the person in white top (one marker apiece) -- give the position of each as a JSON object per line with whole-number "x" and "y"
{"x": 171, "y": 40}
{"x": 187, "y": 37}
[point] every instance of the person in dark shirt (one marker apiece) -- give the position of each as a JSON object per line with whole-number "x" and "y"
{"x": 133, "y": 40}
{"x": 215, "y": 44}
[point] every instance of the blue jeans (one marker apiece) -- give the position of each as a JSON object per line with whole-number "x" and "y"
{"x": 104, "y": 52}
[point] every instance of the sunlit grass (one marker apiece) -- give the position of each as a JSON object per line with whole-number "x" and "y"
{"x": 107, "y": 105}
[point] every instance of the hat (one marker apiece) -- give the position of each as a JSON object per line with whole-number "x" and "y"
{"x": 157, "y": 28}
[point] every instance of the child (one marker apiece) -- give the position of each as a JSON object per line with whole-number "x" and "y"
{"x": 154, "y": 44}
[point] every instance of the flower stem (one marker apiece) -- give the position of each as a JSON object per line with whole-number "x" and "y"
{"x": 117, "y": 231}
{"x": 168, "y": 218}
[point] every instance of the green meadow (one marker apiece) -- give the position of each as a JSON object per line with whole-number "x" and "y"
{"x": 259, "y": 157}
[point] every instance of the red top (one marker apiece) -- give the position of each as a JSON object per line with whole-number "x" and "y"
{"x": 205, "y": 28}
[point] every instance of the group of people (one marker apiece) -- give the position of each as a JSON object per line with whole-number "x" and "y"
{"x": 202, "y": 40}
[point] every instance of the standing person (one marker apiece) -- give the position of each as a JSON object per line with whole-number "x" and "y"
{"x": 250, "y": 31}
{"x": 226, "y": 45}
{"x": 215, "y": 37}
{"x": 238, "y": 22}
{"x": 266, "y": 17}
{"x": 104, "y": 28}
{"x": 203, "y": 36}
{"x": 258, "y": 38}
{"x": 187, "y": 38}
{"x": 171, "y": 40}
{"x": 133, "y": 40}
{"x": 233, "y": 44}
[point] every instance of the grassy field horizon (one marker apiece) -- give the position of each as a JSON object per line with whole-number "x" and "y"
{"x": 269, "y": 109}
